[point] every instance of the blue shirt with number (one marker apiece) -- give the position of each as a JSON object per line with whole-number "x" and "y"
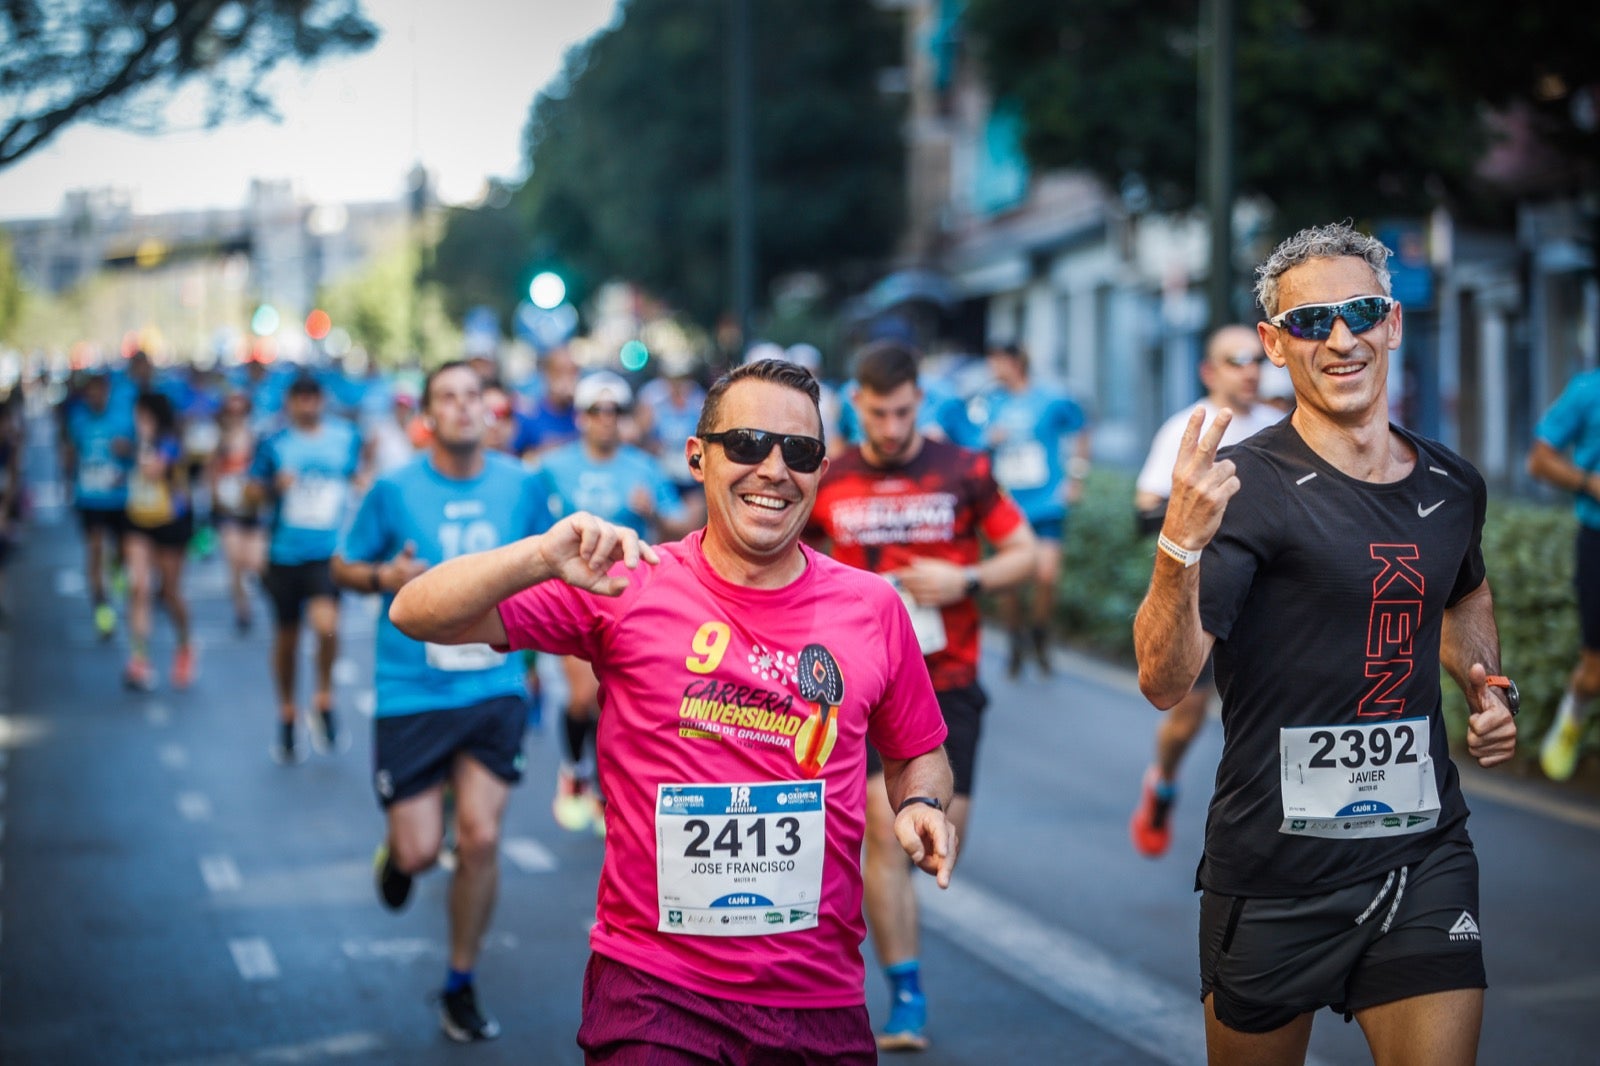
{"x": 1573, "y": 421}
{"x": 444, "y": 518}
{"x": 1024, "y": 432}
{"x": 100, "y": 482}
{"x": 307, "y": 517}
{"x": 605, "y": 487}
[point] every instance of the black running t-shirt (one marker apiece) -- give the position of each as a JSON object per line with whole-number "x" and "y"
{"x": 1326, "y": 596}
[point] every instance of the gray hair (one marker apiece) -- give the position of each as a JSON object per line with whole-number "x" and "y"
{"x": 1333, "y": 241}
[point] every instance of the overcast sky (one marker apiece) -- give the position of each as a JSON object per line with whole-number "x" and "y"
{"x": 450, "y": 81}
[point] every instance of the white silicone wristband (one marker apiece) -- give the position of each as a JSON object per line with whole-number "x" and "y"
{"x": 1173, "y": 548}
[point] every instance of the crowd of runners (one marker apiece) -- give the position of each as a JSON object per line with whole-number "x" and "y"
{"x": 762, "y": 590}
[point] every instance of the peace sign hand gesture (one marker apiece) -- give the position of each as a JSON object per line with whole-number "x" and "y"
{"x": 1201, "y": 485}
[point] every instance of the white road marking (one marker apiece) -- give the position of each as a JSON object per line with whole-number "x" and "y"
{"x": 528, "y": 855}
{"x": 412, "y": 948}
{"x": 346, "y": 672}
{"x": 343, "y": 1045}
{"x": 174, "y": 756}
{"x": 70, "y": 583}
{"x": 1161, "y": 1019}
{"x": 1479, "y": 782}
{"x": 194, "y": 806}
{"x": 219, "y": 873}
{"x": 254, "y": 958}
{"x": 157, "y": 714}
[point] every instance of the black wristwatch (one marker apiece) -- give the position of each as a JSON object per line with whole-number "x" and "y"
{"x": 974, "y": 582}
{"x": 1513, "y": 697}
{"x": 909, "y": 800}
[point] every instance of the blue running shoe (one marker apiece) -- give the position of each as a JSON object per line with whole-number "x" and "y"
{"x": 908, "y": 1018}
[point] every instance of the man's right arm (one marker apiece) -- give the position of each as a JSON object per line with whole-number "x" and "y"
{"x": 1168, "y": 639}
{"x": 1553, "y": 468}
{"x": 457, "y": 601}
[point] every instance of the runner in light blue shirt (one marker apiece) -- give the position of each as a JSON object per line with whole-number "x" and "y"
{"x": 447, "y": 715}
{"x": 1028, "y": 427}
{"x": 622, "y": 484}
{"x": 98, "y": 453}
{"x": 303, "y": 472}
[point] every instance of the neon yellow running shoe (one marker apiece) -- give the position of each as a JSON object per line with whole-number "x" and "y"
{"x": 105, "y": 621}
{"x": 1558, "y": 755}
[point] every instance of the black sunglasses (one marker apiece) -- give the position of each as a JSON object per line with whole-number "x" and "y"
{"x": 1244, "y": 359}
{"x": 750, "y": 447}
{"x": 1314, "y": 322}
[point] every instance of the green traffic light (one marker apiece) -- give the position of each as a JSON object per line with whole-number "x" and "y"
{"x": 547, "y": 290}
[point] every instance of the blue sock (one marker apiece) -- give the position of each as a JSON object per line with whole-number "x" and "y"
{"x": 1166, "y": 790}
{"x": 456, "y": 980}
{"x": 905, "y": 977}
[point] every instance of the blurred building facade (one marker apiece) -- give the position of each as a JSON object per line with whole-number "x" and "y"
{"x": 1110, "y": 299}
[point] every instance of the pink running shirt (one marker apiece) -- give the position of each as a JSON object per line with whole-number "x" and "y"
{"x": 728, "y": 870}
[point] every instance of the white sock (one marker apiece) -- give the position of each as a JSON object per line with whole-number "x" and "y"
{"x": 1572, "y": 709}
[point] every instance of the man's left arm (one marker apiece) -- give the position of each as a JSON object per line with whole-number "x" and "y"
{"x": 923, "y": 830}
{"x": 1469, "y": 649}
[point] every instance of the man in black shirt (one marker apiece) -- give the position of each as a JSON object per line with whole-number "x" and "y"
{"x": 1332, "y": 564}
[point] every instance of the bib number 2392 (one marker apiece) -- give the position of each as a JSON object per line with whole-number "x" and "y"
{"x": 739, "y": 860}
{"x": 1351, "y": 781}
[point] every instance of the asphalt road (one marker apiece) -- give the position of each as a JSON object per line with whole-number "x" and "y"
{"x": 168, "y": 894}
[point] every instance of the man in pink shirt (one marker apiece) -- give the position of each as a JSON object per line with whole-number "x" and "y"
{"x": 741, "y": 675}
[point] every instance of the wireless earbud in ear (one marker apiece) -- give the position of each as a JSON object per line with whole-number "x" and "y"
{"x": 694, "y": 460}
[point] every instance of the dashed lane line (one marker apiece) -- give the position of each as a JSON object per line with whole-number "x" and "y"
{"x": 1159, "y": 1018}
{"x": 220, "y": 874}
{"x": 528, "y": 855}
{"x": 339, "y": 1046}
{"x": 254, "y": 958}
{"x": 194, "y": 806}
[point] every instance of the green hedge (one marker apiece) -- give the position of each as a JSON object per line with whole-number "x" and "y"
{"x": 1527, "y": 547}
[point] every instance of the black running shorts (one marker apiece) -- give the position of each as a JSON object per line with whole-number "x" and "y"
{"x": 291, "y": 585}
{"x": 1586, "y": 582}
{"x": 963, "y": 716}
{"x": 413, "y": 752}
{"x": 1411, "y": 932}
{"x": 107, "y": 520}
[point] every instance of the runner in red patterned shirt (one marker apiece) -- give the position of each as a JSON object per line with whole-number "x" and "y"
{"x": 914, "y": 509}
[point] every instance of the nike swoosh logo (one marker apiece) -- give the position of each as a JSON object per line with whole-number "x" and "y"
{"x": 1424, "y": 512}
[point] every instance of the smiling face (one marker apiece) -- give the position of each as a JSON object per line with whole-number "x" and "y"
{"x": 755, "y": 514}
{"x": 1343, "y": 379}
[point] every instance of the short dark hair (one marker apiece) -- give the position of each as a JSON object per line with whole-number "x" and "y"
{"x": 305, "y": 385}
{"x": 777, "y": 371}
{"x": 1012, "y": 350}
{"x": 453, "y": 364}
{"x": 883, "y": 366}
{"x": 159, "y": 407}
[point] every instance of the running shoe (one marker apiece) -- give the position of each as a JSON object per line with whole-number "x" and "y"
{"x": 597, "y": 814}
{"x": 461, "y": 1018}
{"x": 183, "y": 667}
{"x": 574, "y": 806}
{"x": 105, "y": 621}
{"x": 1014, "y": 656}
{"x": 906, "y": 1029}
{"x": 285, "y": 752}
{"x": 324, "y": 732}
{"x": 138, "y": 674}
{"x": 394, "y": 887}
{"x": 1558, "y": 755}
{"x": 1151, "y": 827}
{"x": 1041, "y": 650}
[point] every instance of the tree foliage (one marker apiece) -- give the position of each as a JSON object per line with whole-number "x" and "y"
{"x": 119, "y": 62}
{"x": 389, "y": 312}
{"x": 11, "y": 295}
{"x": 1357, "y": 107}
{"x": 628, "y": 152}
